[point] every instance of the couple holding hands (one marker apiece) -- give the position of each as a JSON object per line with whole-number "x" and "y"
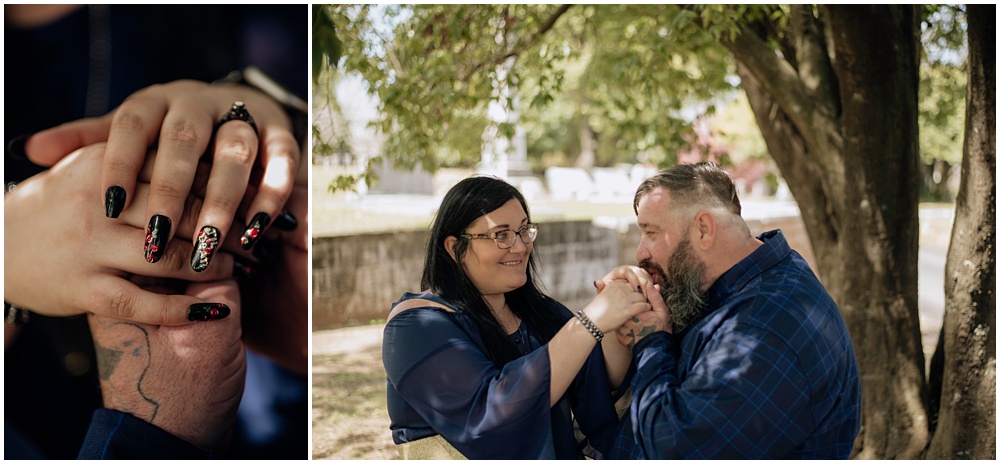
{"x": 147, "y": 293}
{"x": 173, "y": 216}
{"x": 728, "y": 344}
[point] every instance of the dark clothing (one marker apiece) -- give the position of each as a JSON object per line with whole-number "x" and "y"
{"x": 56, "y": 73}
{"x": 117, "y": 435}
{"x": 768, "y": 373}
{"x": 441, "y": 381}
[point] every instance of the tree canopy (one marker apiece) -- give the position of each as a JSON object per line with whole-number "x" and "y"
{"x": 435, "y": 69}
{"x": 631, "y": 78}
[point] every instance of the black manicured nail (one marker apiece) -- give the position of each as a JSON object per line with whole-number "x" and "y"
{"x": 16, "y": 146}
{"x": 254, "y": 230}
{"x": 204, "y": 248}
{"x": 207, "y": 311}
{"x": 114, "y": 201}
{"x": 157, "y": 235}
{"x": 285, "y": 221}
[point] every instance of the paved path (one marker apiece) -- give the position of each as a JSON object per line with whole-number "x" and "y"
{"x": 347, "y": 340}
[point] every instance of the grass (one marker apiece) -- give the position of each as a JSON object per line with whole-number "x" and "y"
{"x": 350, "y": 420}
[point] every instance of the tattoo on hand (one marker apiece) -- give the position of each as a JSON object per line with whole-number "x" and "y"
{"x": 643, "y": 332}
{"x": 133, "y": 349}
{"x": 107, "y": 360}
{"x": 632, "y": 342}
{"x": 646, "y": 330}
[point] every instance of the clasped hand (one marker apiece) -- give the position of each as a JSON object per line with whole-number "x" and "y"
{"x": 63, "y": 258}
{"x": 642, "y": 324}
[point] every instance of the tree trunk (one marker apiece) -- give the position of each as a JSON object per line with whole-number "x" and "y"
{"x": 966, "y": 377}
{"x": 840, "y": 121}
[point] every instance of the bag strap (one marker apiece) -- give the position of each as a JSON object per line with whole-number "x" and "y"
{"x": 415, "y": 303}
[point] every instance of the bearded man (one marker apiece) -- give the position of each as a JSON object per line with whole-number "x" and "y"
{"x": 745, "y": 354}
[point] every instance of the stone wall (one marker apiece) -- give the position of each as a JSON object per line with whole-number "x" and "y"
{"x": 571, "y": 255}
{"x": 356, "y": 278}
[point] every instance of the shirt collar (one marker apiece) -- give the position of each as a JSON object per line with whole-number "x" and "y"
{"x": 774, "y": 249}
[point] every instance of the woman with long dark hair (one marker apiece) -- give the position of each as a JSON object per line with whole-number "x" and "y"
{"x": 482, "y": 364}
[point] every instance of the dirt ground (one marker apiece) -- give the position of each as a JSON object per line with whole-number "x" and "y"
{"x": 349, "y": 410}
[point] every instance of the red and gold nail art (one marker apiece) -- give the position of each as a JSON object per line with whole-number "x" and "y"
{"x": 254, "y": 230}
{"x": 204, "y": 248}
{"x": 157, "y": 236}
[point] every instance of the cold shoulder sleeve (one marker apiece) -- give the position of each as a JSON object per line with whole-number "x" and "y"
{"x": 483, "y": 411}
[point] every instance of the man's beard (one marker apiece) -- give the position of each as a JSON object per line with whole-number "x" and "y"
{"x": 682, "y": 290}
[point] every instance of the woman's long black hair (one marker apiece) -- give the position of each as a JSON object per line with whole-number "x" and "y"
{"x": 467, "y": 201}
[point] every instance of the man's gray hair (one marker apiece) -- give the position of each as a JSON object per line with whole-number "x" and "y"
{"x": 703, "y": 185}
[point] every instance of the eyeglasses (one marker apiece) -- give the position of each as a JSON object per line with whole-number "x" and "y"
{"x": 505, "y": 238}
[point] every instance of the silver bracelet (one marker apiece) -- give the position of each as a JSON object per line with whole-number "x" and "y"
{"x": 589, "y": 325}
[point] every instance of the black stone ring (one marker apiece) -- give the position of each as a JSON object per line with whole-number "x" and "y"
{"x": 238, "y": 111}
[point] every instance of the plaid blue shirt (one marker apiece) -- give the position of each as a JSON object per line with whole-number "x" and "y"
{"x": 769, "y": 373}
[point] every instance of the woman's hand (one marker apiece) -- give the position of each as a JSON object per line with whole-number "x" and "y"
{"x": 635, "y": 275}
{"x": 637, "y": 327}
{"x": 180, "y": 119}
{"x": 617, "y": 302}
{"x": 63, "y": 258}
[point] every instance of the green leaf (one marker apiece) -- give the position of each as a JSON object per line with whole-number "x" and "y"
{"x": 327, "y": 47}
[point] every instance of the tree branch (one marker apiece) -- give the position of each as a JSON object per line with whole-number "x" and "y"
{"x": 814, "y": 67}
{"x": 523, "y": 46}
{"x": 775, "y": 75}
{"x": 800, "y": 165}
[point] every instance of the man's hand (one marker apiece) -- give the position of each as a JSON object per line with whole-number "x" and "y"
{"x": 187, "y": 380}
{"x": 655, "y": 320}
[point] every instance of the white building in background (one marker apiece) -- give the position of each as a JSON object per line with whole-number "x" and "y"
{"x": 501, "y": 157}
